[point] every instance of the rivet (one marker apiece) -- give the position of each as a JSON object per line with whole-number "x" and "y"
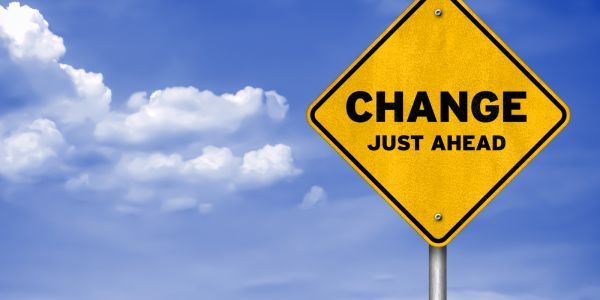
{"x": 438, "y": 12}
{"x": 438, "y": 217}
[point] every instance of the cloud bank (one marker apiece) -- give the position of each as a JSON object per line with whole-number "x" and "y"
{"x": 72, "y": 119}
{"x": 264, "y": 165}
{"x": 186, "y": 109}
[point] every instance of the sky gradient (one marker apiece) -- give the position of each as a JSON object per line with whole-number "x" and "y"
{"x": 160, "y": 150}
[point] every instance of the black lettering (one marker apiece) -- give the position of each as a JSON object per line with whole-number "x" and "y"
{"x": 416, "y": 110}
{"x": 499, "y": 138}
{"x": 492, "y": 109}
{"x": 396, "y": 106}
{"x": 417, "y": 138}
{"x": 460, "y": 110}
{"x": 509, "y": 106}
{"x": 393, "y": 141}
{"x": 451, "y": 142}
{"x": 467, "y": 142}
{"x": 376, "y": 144}
{"x": 483, "y": 143}
{"x": 351, "y": 107}
{"x": 403, "y": 142}
{"x": 438, "y": 143}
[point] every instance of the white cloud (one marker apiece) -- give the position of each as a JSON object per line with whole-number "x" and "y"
{"x": 30, "y": 148}
{"x": 213, "y": 163}
{"x": 205, "y": 208}
{"x": 147, "y": 167}
{"x": 264, "y": 165}
{"x": 277, "y": 105}
{"x": 137, "y": 100}
{"x": 269, "y": 163}
{"x": 26, "y": 35}
{"x": 64, "y": 100}
{"x": 177, "y": 204}
{"x": 181, "y": 109}
{"x": 93, "y": 99}
{"x": 311, "y": 198}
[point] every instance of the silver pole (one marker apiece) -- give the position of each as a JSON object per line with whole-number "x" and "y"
{"x": 437, "y": 273}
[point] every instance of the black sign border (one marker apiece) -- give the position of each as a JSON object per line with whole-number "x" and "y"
{"x": 487, "y": 196}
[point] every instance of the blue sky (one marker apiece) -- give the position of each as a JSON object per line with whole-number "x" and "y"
{"x": 122, "y": 177}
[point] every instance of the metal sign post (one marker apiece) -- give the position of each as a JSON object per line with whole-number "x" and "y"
{"x": 437, "y": 273}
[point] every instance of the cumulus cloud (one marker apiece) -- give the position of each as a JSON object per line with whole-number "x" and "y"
{"x": 264, "y": 165}
{"x": 30, "y": 148}
{"x": 100, "y": 149}
{"x": 63, "y": 94}
{"x": 186, "y": 109}
{"x": 93, "y": 99}
{"x": 311, "y": 198}
{"x": 26, "y": 35}
{"x": 213, "y": 163}
{"x": 269, "y": 163}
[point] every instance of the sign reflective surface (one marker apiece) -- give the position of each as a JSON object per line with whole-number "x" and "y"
{"x": 438, "y": 115}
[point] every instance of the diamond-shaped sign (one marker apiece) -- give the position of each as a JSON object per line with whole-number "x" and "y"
{"x": 438, "y": 115}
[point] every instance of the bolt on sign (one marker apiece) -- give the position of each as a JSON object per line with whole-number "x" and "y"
{"x": 438, "y": 115}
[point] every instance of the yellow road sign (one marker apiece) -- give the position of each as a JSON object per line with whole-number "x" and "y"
{"x": 438, "y": 115}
